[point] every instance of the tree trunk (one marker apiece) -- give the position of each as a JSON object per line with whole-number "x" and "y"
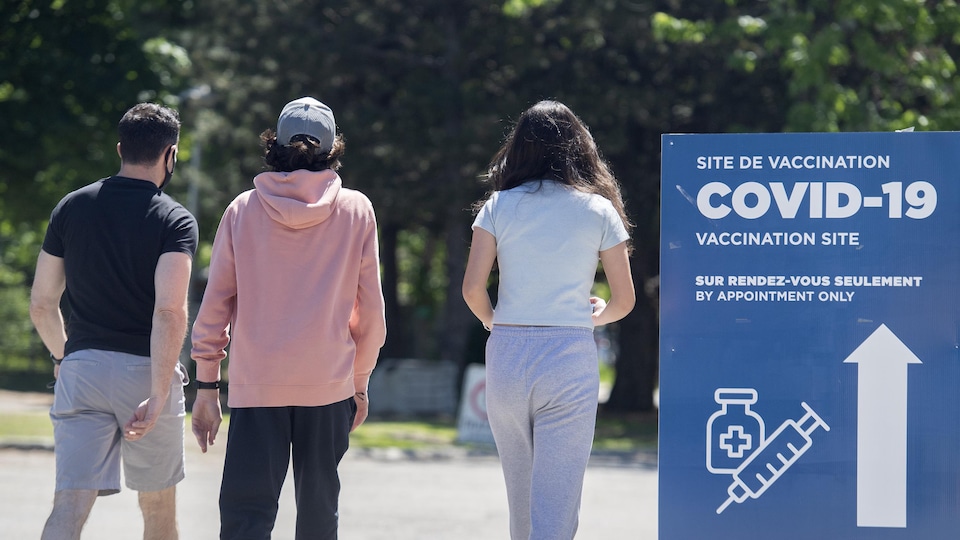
{"x": 396, "y": 345}
{"x": 454, "y": 326}
{"x": 456, "y": 322}
{"x": 637, "y": 364}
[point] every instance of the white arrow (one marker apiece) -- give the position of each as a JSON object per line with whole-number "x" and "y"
{"x": 882, "y": 429}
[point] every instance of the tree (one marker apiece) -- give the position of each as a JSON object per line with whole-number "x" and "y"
{"x": 68, "y": 70}
{"x": 785, "y": 66}
{"x": 635, "y": 71}
{"x": 425, "y": 91}
{"x": 416, "y": 92}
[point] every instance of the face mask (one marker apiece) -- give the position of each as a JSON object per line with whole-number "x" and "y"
{"x": 168, "y": 174}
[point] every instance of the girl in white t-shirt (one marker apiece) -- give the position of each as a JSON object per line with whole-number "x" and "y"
{"x": 555, "y": 211}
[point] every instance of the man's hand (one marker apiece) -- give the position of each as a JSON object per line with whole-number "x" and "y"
{"x": 206, "y": 417}
{"x": 363, "y": 407}
{"x": 143, "y": 419}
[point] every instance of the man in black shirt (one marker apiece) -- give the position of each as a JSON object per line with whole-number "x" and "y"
{"x": 121, "y": 251}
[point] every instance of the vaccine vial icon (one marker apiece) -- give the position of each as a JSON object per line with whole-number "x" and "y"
{"x": 733, "y": 432}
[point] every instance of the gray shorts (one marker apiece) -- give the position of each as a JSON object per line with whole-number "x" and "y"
{"x": 96, "y": 394}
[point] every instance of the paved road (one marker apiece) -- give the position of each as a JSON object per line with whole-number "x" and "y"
{"x": 386, "y": 495}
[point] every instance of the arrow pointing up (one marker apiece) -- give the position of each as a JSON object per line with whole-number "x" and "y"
{"x": 882, "y": 429}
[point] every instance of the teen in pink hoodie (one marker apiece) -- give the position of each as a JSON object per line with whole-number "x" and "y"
{"x": 294, "y": 288}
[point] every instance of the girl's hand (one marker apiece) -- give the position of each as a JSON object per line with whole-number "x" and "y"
{"x": 598, "y": 305}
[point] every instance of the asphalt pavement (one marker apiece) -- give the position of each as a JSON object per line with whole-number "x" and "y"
{"x": 447, "y": 493}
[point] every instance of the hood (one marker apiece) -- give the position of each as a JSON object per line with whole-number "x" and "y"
{"x": 298, "y": 199}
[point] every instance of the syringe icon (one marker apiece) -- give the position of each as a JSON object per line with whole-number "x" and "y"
{"x": 774, "y": 456}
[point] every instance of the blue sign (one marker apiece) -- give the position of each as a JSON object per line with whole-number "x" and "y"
{"x": 810, "y": 345}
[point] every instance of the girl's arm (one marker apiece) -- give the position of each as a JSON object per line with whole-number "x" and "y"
{"x": 483, "y": 252}
{"x": 616, "y": 265}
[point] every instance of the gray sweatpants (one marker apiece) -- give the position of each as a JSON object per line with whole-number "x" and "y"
{"x": 541, "y": 393}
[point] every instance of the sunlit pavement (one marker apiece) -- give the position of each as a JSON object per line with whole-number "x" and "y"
{"x": 388, "y": 495}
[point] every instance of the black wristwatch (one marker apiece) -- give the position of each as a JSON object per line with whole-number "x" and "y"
{"x": 56, "y": 361}
{"x": 208, "y": 385}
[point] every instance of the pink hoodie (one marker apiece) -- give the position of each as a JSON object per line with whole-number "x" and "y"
{"x": 295, "y": 278}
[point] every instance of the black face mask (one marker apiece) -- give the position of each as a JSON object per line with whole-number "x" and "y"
{"x": 168, "y": 174}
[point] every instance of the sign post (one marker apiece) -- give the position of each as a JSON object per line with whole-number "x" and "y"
{"x": 810, "y": 336}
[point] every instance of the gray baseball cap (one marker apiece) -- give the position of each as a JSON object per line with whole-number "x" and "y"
{"x": 307, "y": 116}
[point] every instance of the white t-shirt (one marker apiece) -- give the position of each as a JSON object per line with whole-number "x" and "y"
{"x": 549, "y": 238}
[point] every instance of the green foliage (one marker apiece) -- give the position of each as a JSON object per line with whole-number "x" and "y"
{"x": 18, "y": 340}
{"x": 518, "y": 8}
{"x": 20, "y": 346}
{"x": 848, "y": 65}
{"x": 420, "y": 256}
{"x": 69, "y": 71}
{"x": 674, "y": 30}
{"x": 421, "y": 284}
{"x": 424, "y": 92}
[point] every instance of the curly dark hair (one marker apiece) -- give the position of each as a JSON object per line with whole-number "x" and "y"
{"x": 550, "y": 142}
{"x": 303, "y": 152}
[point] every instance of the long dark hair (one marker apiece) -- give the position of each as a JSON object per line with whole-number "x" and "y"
{"x": 549, "y": 142}
{"x": 303, "y": 152}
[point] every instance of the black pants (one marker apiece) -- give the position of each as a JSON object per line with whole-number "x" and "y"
{"x": 257, "y": 458}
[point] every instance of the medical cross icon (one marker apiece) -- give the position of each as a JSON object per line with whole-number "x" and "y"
{"x": 736, "y": 442}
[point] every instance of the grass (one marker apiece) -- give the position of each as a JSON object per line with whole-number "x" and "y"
{"x": 626, "y": 433}
{"x": 372, "y": 434}
{"x": 32, "y": 424}
{"x": 621, "y": 433}
{"x": 406, "y": 435}
{"x": 615, "y": 433}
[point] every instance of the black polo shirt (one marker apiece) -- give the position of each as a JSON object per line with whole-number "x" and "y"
{"x": 110, "y": 235}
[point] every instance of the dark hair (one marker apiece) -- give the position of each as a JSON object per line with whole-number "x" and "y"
{"x": 303, "y": 152}
{"x": 145, "y": 131}
{"x": 550, "y": 142}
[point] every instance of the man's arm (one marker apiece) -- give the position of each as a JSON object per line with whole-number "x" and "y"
{"x": 48, "y": 286}
{"x": 172, "y": 282}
